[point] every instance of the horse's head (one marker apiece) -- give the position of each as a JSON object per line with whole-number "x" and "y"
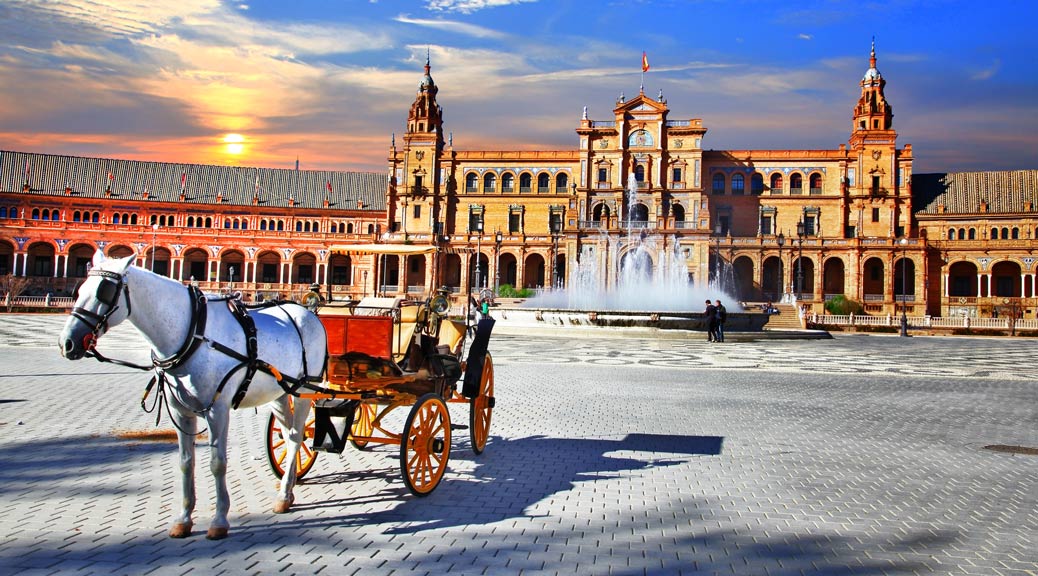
{"x": 104, "y": 301}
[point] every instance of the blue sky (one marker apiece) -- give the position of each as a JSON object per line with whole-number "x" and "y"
{"x": 328, "y": 81}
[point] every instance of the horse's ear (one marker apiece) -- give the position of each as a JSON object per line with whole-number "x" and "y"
{"x": 124, "y": 263}
{"x": 99, "y": 258}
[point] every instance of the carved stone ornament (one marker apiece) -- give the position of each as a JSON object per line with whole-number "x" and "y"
{"x": 876, "y": 154}
{"x": 419, "y": 154}
{"x": 678, "y": 143}
{"x": 603, "y": 144}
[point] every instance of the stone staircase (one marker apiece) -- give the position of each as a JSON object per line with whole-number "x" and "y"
{"x": 786, "y": 319}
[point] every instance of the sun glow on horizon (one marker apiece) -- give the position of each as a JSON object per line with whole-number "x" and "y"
{"x": 234, "y": 144}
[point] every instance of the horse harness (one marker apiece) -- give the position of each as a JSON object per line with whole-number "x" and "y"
{"x": 113, "y": 283}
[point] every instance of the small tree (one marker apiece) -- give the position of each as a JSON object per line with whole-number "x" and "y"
{"x": 13, "y": 286}
{"x": 841, "y": 305}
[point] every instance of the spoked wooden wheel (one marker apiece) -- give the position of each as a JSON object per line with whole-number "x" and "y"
{"x": 425, "y": 445}
{"x": 481, "y": 409}
{"x": 277, "y": 451}
{"x": 363, "y": 419}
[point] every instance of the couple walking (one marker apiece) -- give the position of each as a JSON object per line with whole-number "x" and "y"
{"x": 715, "y": 316}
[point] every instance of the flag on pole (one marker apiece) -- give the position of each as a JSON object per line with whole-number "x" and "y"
{"x": 183, "y": 181}
{"x": 645, "y": 62}
{"x": 26, "y": 170}
{"x": 328, "y": 184}
{"x": 297, "y": 163}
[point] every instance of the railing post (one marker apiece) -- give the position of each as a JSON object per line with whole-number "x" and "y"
{"x": 46, "y": 301}
{"x": 852, "y": 318}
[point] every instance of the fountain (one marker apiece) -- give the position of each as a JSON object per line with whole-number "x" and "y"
{"x": 638, "y": 279}
{"x": 637, "y": 272}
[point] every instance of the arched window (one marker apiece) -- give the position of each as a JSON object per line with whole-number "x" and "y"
{"x": 133, "y": 219}
{"x": 962, "y": 233}
{"x": 718, "y": 186}
{"x": 489, "y": 182}
{"x": 507, "y": 182}
{"x": 281, "y": 225}
{"x": 816, "y": 183}
{"x": 349, "y": 228}
{"x": 35, "y": 213}
{"x": 951, "y": 234}
{"x": 1016, "y": 233}
{"x": 371, "y": 228}
{"x": 738, "y": 184}
{"x": 776, "y": 183}
{"x": 973, "y": 233}
{"x": 543, "y": 182}
{"x": 470, "y": 182}
{"x": 994, "y": 234}
{"x": 116, "y": 218}
{"x": 95, "y": 217}
{"x": 263, "y": 224}
{"x": 227, "y": 223}
{"x": 639, "y": 173}
{"x": 796, "y": 184}
{"x": 757, "y": 183}
{"x": 208, "y": 222}
{"x": 299, "y": 226}
{"x": 75, "y": 215}
{"x": 1005, "y": 233}
{"x": 561, "y": 182}
{"x": 525, "y": 182}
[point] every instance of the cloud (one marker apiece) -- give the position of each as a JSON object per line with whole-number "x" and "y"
{"x": 989, "y": 72}
{"x": 804, "y": 36}
{"x": 468, "y": 6}
{"x": 452, "y": 26}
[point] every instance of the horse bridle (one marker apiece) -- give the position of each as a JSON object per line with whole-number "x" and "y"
{"x": 108, "y": 290}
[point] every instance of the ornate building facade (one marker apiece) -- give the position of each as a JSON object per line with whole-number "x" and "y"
{"x": 794, "y": 225}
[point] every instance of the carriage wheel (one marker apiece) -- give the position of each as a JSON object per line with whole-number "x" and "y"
{"x": 425, "y": 445}
{"x": 276, "y": 451}
{"x": 362, "y": 425}
{"x": 481, "y": 409}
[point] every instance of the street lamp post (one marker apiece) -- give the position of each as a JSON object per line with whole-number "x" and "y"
{"x": 717, "y": 256}
{"x": 231, "y": 270}
{"x": 904, "y": 317}
{"x": 781, "y": 241}
{"x": 479, "y": 247}
{"x": 556, "y": 228}
{"x": 154, "y": 234}
{"x": 498, "y": 238}
{"x": 364, "y": 286}
{"x": 800, "y": 259}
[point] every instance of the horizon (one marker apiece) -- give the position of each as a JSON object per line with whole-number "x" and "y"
{"x": 191, "y": 82}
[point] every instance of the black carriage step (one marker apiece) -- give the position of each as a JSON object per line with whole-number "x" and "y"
{"x": 459, "y": 427}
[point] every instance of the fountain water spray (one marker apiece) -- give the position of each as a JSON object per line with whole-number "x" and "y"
{"x": 638, "y": 272}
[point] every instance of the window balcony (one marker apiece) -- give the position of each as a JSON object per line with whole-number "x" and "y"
{"x": 815, "y": 191}
{"x": 525, "y": 189}
{"x": 543, "y": 189}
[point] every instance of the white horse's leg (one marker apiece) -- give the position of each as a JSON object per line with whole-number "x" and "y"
{"x": 292, "y": 417}
{"x": 186, "y": 425}
{"x": 219, "y": 418}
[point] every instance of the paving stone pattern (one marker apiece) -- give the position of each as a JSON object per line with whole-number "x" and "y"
{"x": 859, "y": 455}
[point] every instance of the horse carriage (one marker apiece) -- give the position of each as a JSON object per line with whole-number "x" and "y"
{"x": 330, "y": 378}
{"x": 386, "y": 354}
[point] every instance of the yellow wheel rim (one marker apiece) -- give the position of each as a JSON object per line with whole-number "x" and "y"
{"x": 482, "y": 409}
{"x": 426, "y": 445}
{"x": 277, "y": 451}
{"x": 363, "y": 418}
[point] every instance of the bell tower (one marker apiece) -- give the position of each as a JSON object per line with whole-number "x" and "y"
{"x": 415, "y": 182}
{"x": 873, "y": 112}
{"x": 877, "y": 172}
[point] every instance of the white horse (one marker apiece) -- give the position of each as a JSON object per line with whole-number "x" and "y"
{"x": 200, "y": 353}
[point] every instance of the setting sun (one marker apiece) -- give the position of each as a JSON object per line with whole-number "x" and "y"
{"x": 234, "y": 143}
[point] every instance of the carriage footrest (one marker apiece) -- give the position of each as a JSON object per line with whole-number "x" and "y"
{"x": 332, "y": 424}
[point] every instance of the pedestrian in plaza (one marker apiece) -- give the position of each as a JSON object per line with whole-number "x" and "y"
{"x": 722, "y": 317}
{"x": 711, "y": 321}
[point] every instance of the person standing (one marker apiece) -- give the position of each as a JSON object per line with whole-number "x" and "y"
{"x": 711, "y": 321}
{"x": 722, "y": 317}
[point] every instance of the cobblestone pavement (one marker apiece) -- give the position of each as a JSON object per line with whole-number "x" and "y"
{"x": 859, "y": 455}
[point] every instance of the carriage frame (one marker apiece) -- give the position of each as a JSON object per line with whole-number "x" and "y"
{"x": 385, "y": 354}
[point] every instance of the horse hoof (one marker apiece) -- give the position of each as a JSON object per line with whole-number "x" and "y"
{"x": 180, "y": 530}
{"x": 282, "y": 505}
{"x": 215, "y": 533}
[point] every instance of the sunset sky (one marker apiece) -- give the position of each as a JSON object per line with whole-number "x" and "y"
{"x": 328, "y": 81}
